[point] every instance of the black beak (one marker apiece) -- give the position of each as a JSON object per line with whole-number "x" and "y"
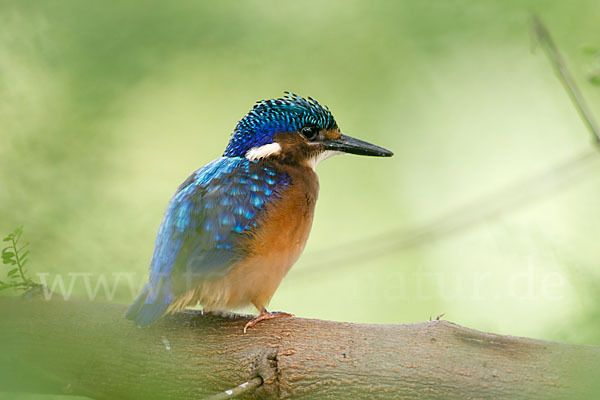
{"x": 347, "y": 144}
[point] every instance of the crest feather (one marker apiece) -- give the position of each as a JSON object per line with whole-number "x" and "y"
{"x": 285, "y": 114}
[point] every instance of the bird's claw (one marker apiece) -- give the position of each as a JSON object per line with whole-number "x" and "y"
{"x": 264, "y": 315}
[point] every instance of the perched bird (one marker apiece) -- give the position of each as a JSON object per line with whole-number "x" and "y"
{"x": 236, "y": 226}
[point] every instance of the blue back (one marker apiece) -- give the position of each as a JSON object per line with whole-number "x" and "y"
{"x": 210, "y": 212}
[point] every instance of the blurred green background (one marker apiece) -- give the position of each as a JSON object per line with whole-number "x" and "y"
{"x": 106, "y": 108}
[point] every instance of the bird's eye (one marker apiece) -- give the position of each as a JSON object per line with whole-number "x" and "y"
{"x": 310, "y": 132}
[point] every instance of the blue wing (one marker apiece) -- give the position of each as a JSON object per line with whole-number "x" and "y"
{"x": 204, "y": 222}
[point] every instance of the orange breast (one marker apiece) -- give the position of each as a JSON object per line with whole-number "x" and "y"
{"x": 272, "y": 250}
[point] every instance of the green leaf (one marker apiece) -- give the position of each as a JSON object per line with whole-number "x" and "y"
{"x": 594, "y": 79}
{"x": 17, "y": 256}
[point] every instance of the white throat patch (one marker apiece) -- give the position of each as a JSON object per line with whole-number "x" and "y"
{"x": 263, "y": 151}
{"x": 313, "y": 162}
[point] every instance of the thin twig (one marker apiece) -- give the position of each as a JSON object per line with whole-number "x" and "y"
{"x": 557, "y": 61}
{"x": 252, "y": 384}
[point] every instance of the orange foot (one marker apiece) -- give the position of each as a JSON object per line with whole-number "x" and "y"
{"x": 264, "y": 315}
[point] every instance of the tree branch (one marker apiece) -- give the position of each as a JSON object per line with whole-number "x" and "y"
{"x": 89, "y": 349}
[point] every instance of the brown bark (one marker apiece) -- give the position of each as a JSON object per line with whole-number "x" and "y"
{"x": 89, "y": 349}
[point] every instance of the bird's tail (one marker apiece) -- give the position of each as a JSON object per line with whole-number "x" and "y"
{"x": 150, "y": 305}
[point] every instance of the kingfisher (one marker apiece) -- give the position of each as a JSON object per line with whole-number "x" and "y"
{"x": 235, "y": 227}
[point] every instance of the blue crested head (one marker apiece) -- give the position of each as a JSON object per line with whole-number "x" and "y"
{"x": 290, "y": 113}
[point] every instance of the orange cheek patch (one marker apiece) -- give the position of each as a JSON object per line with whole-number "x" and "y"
{"x": 332, "y": 134}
